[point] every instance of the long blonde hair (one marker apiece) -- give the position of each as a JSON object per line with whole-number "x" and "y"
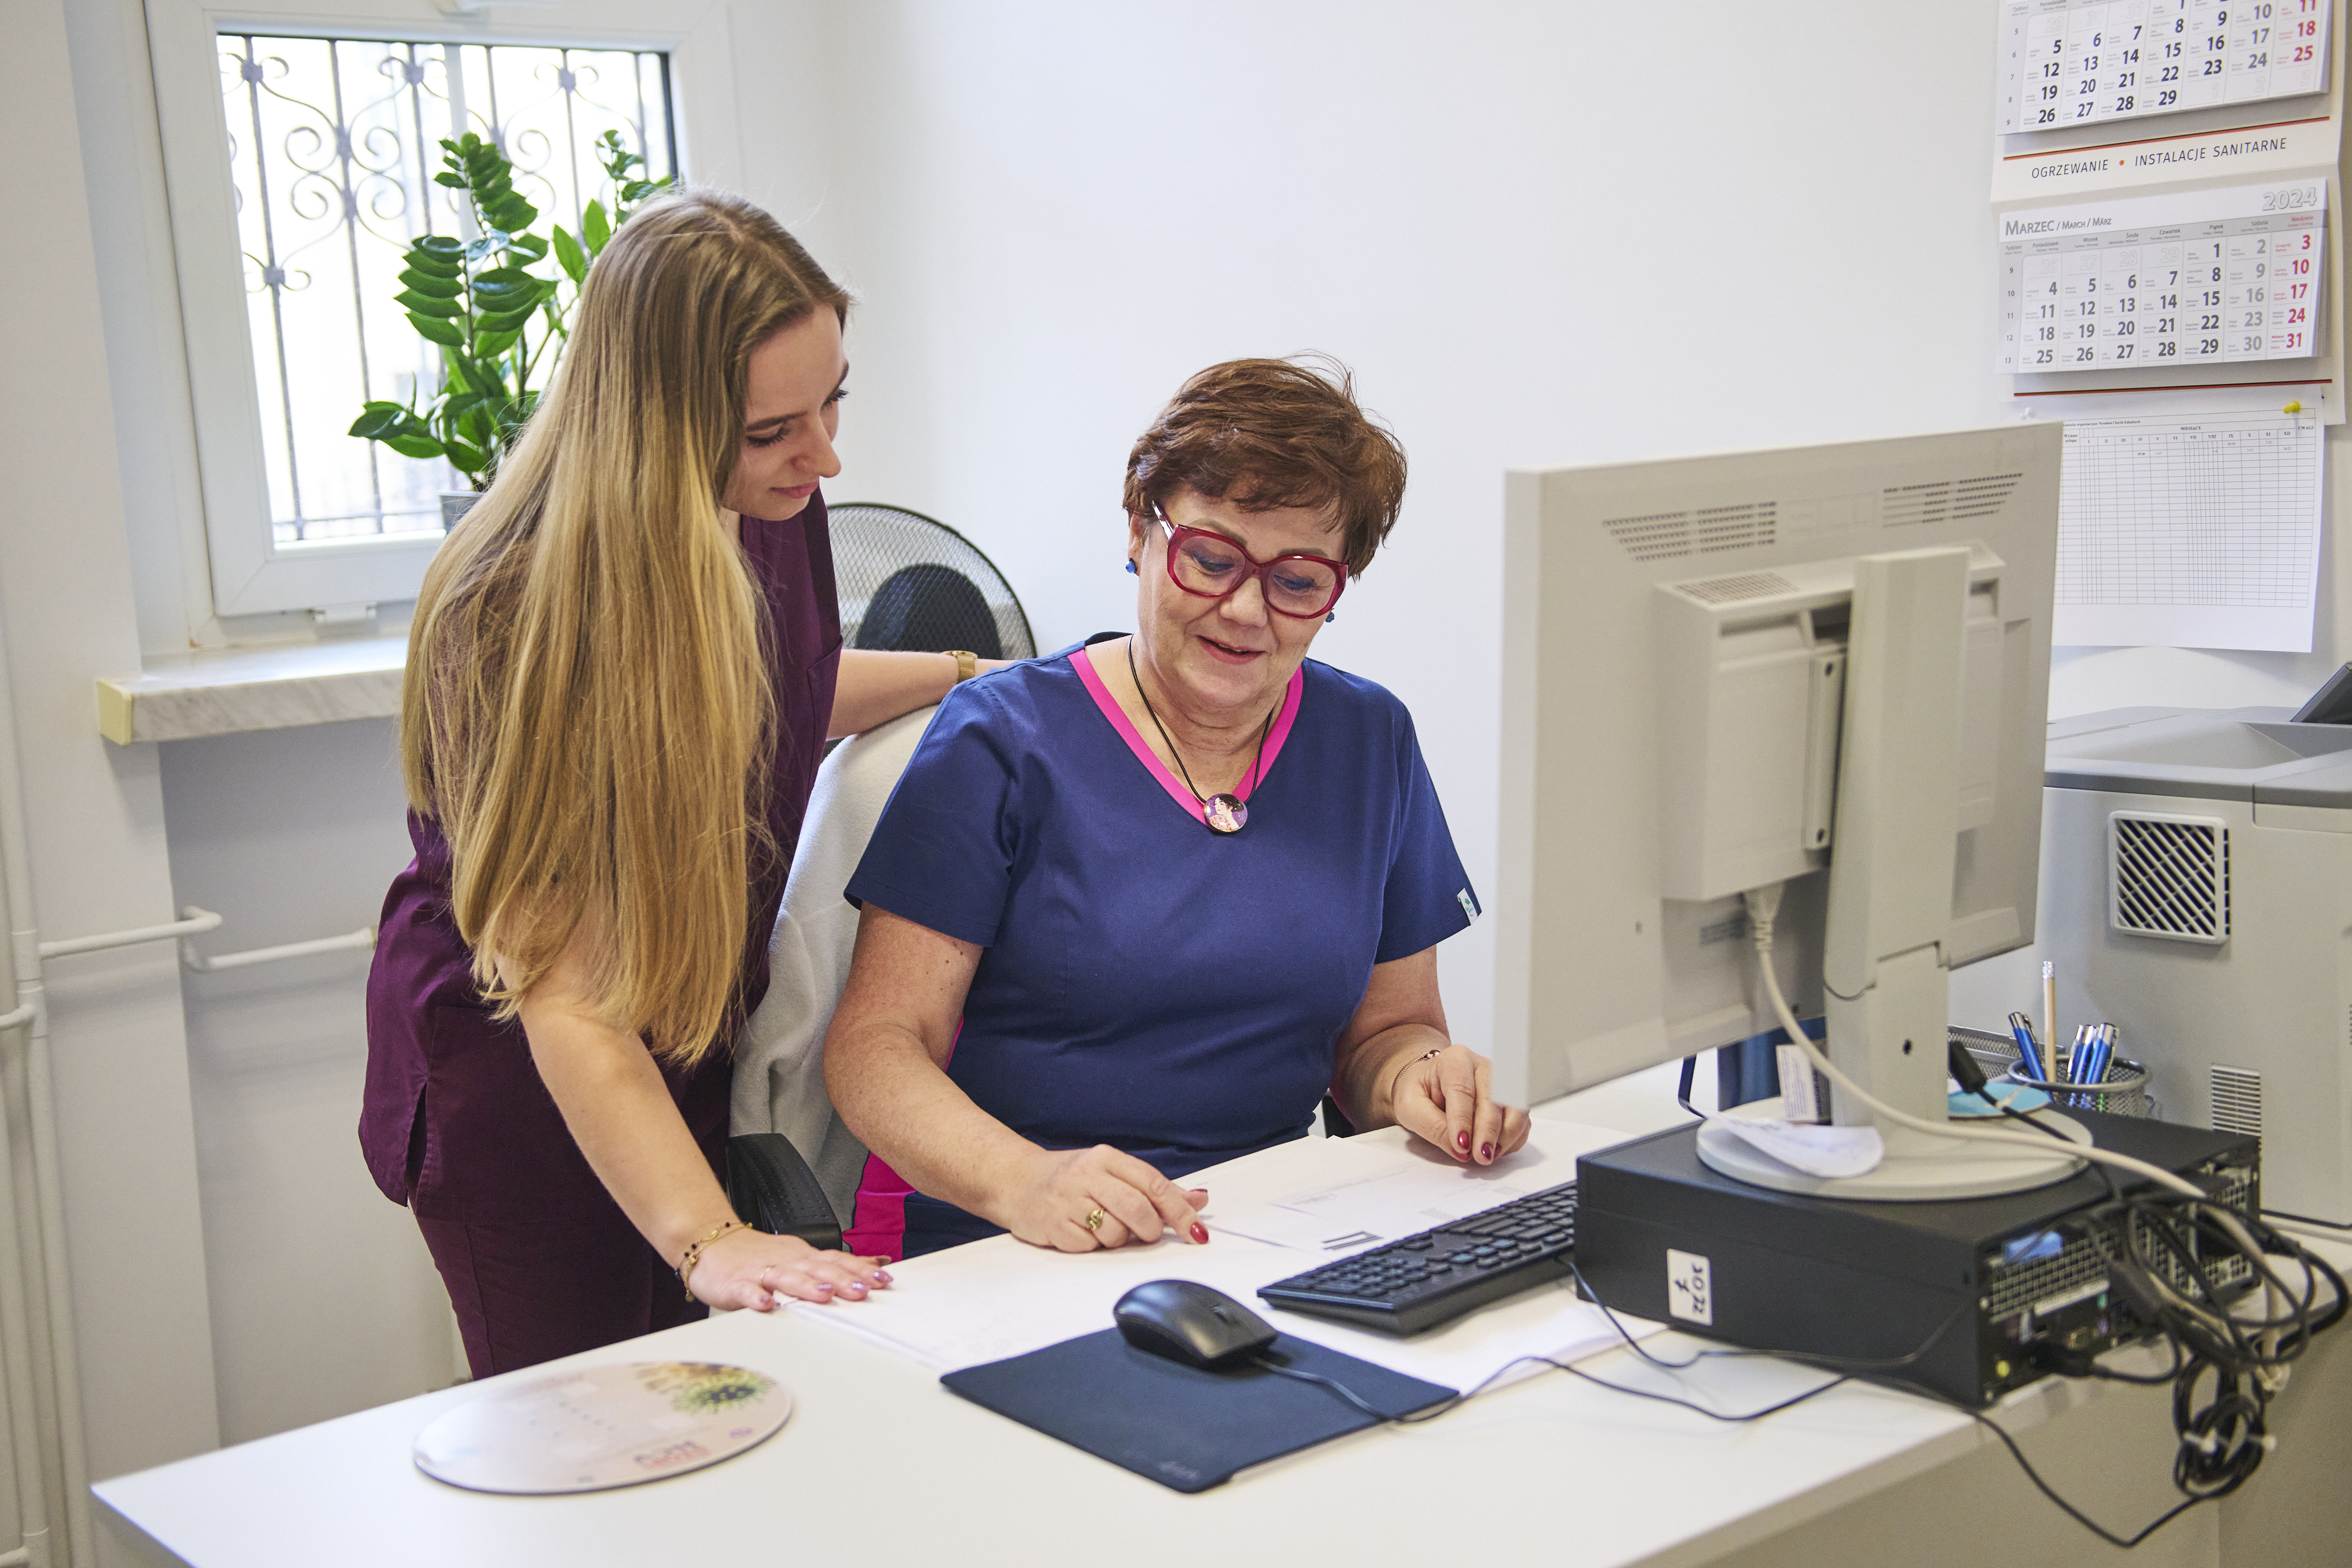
{"x": 586, "y": 713}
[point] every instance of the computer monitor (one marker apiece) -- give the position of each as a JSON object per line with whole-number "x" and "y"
{"x": 1823, "y": 667}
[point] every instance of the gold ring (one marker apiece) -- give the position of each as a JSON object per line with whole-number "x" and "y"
{"x": 1094, "y": 1217}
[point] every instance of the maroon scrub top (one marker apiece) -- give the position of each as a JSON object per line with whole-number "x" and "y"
{"x": 454, "y": 1122}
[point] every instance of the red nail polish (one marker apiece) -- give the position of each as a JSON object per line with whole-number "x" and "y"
{"x": 1462, "y": 1142}
{"x": 1200, "y": 1234}
{"x": 1485, "y": 1151}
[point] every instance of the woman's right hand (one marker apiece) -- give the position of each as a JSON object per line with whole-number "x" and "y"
{"x": 1056, "y": 1191}
{"x": 751, "y": 1269}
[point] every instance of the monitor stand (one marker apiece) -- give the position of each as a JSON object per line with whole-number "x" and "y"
{"x": 1890, "y": 900}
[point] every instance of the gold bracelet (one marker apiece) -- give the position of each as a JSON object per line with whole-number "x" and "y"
{"x": 693, "y": 1254}
{"x": 967, "y": 663}
{"x": 1437, "y": 1051}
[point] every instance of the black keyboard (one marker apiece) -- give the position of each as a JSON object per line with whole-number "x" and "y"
{"x": 1423, "y": 1280}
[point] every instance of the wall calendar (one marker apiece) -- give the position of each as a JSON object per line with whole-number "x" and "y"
{"x": 2077, "y": 62}
{"x": 2189, "y": 278}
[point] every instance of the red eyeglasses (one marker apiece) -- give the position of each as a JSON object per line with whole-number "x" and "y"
{"x": 1212, "y": 566}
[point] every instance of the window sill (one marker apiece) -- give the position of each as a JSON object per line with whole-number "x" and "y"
{"x": 227, "y": 692}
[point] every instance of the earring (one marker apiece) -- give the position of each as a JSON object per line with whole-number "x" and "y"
{"x": 1330, "y": 618}
{"x": 1131, "y": 568}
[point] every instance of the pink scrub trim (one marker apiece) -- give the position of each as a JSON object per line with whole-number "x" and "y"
{"x": 1082, "y": 661}
{"x": 879, "y": 1227}
{"x": 877, "y": 1220}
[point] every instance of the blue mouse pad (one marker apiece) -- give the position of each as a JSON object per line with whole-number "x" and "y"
{"x": 1183, "y": 1427}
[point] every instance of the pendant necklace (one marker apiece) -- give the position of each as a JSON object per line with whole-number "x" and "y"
{"x": 1225, "y": 813}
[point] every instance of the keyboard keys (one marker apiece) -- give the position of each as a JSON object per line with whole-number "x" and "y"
{"x": 1421, "y": 1280}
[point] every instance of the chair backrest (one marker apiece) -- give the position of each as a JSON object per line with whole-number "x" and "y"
{"x": 910, "y": 583}
{"x": 780, "y": 1054}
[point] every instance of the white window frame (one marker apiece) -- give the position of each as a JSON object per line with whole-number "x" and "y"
{"x": 251, "y": 572}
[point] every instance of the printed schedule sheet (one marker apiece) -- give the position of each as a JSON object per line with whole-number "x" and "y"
{"x": 2189, "y": 530}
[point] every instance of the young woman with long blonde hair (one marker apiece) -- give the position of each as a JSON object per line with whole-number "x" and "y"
{"x": 624, "y": 663}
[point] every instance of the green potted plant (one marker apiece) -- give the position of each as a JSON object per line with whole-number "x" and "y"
{"x": 499, "y": 326}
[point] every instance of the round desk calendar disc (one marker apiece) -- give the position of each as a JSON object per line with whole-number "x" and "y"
{"x": 595, "y": 1427}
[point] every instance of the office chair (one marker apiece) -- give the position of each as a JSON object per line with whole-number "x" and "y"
{"x": 908, "y": 583}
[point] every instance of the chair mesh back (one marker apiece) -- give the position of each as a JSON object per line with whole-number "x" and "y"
{"x": 910, "y": 583}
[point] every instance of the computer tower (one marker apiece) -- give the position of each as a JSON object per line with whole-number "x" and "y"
{"x": 1966, "y": 1298}
{"x": 2197, "y": 893}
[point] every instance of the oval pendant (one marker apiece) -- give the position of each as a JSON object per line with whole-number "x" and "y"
{"x": 1226, "y": 812}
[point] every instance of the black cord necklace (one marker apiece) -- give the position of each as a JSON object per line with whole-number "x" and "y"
{"x": 1225, "y": 813}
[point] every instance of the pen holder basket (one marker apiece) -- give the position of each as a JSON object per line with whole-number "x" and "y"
{"x": 2124, "y": 1091}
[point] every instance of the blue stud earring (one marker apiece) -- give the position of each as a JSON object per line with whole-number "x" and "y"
{"x": 1330, "y": 618}
{"x": 1131, "y": 568}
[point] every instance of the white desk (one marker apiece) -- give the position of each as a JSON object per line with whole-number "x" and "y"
{"x": 881, "y": 1465}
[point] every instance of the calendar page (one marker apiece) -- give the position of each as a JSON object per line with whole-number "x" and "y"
{"x": 2189, "y": 277}
{"x": 2076, "y": 62}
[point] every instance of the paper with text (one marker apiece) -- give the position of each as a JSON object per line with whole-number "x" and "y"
{"x": 2189, "y": 530}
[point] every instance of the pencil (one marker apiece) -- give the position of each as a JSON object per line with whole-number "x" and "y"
{"x": 2050, "y": 1007}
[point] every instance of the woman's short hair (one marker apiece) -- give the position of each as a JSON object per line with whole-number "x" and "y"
{"x": 1270, "y": 433}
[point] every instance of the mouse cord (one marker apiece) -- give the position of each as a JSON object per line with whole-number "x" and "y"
{"x": 1301, "y": 1375}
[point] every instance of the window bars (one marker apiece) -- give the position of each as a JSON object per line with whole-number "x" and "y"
{"x": 332, "y": 147}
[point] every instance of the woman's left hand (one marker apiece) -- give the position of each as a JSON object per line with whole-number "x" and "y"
{"x": 1448, "y": 1100}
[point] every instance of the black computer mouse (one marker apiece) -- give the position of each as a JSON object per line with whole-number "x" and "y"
{"x": 1190, "y": 1323}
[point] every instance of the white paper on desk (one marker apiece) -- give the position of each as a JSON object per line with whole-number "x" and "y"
{"x": 2189, "y": 530}
{"x": 1388, "y": 1193}
{"x": 1385, "y": 1208}
{"x": 1831, "y": 1152}
{"x": 1001, "y": 1298}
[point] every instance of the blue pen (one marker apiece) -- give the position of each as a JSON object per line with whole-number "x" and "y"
{"x": 2095, "y": 1052}
{"x": 2029, "y": 1051}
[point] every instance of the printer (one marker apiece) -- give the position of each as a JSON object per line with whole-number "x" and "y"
{"x": 2197, "y": 893}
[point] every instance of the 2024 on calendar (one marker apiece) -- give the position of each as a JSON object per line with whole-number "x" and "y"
{"x": 2193, "y": 277}
{"x": 2076, "y": 62}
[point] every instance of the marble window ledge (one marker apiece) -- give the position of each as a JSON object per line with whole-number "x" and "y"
{"x": 225, "y": 691}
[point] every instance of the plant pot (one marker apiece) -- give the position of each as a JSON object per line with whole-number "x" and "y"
{"x": 455, "y": 504}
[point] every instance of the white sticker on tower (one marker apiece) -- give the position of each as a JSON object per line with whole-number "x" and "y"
{"x": 1690, "y": 1287}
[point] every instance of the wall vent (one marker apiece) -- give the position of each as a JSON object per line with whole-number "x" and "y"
{"x": 1733, "y": 589}
{"x": 1902, "y": 505}
{"x": 2237, "y": 1100}
{"x": 1982, "y": 496}
{"x": 2169, "y": 876}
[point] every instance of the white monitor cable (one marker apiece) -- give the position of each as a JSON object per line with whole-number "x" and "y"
{"x": 1763, "y": 906}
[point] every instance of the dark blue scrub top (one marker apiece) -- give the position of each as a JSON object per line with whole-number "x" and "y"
{"x": 1148, "y": 983}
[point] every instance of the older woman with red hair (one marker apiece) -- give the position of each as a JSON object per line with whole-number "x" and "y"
{"x": 1135, "y": 907}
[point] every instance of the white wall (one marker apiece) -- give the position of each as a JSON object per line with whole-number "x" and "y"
{"x": 94, "y": 813}
{"x": 1054, "y": 212}
{"x": 1531, "y": 249}
{"x": 292, "y": 834}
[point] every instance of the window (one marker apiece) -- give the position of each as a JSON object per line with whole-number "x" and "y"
{"x": 332, "y": 145}
{"x": 299, "y": 150}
